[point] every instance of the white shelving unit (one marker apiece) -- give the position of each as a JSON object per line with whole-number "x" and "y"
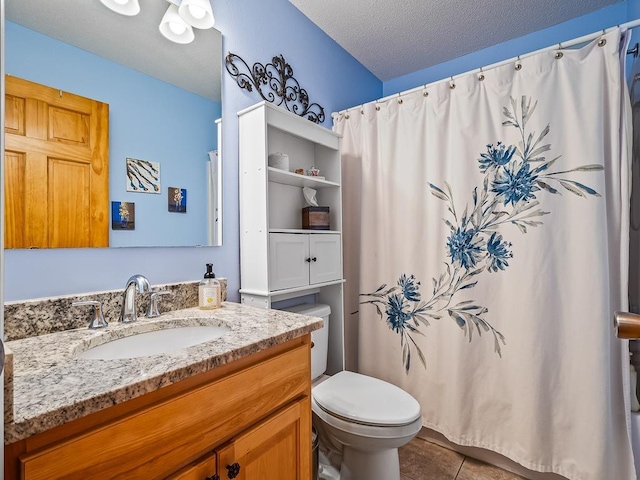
{"x": 279, "y": 260}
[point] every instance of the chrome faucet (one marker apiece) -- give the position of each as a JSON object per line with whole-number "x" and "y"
{"x": 135, "y": 283}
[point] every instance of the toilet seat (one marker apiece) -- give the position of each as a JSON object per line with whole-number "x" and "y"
{"x": 365, "y": 401}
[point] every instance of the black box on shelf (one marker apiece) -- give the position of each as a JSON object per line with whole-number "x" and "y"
{"x": 315, "y": 218}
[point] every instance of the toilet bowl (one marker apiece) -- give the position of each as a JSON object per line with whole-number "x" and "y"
{"x": 370, "y": 419}
{"x": 366, "y": 418}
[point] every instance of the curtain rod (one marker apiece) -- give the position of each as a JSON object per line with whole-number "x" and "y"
{"x": 561, "y": 45}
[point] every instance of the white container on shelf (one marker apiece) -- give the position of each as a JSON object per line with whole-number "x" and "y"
{"x": 279, "y": 160}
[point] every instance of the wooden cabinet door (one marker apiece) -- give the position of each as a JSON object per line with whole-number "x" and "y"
{"x": 326, "y": 265}
{"x": 288, "y": 260}
{"x": 56, "y": 168}
{"x": 278, "y": 448}
{"x": 202, "y": 469}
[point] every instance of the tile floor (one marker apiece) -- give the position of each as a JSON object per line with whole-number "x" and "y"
{"x": 422, "y": 460}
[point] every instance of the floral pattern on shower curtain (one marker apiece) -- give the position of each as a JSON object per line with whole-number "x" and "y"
{"x": 512, "y": 177}
{"x": 486, "y": 227}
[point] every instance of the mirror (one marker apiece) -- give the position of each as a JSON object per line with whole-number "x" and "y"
{"x": 164, "y": 109}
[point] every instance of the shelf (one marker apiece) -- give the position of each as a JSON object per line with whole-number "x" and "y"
{"x": 301, "y": 230}
{"x": 306, "y": 287}
{"x": 296, "y": 180}
{"x": 285, "y": 291}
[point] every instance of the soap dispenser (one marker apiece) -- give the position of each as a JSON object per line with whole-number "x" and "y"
{"x": 209, "y": 294}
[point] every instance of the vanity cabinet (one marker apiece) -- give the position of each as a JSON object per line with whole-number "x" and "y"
{"x": 253, "y": 414}
{"x": 279, "y": 260}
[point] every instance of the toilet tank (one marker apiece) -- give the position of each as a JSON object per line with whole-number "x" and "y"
{"x": 320, "y": 338}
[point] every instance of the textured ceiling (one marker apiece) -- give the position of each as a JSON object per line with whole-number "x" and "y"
{"x": 393, "y": 38}
{"x": 134, "y": 42}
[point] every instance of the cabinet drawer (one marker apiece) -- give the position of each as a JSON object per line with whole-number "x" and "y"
{"x": 151, "y": 443}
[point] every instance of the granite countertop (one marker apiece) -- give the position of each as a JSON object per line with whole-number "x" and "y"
{"x": 52, "y": 386}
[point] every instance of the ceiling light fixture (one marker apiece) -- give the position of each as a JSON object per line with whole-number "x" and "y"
{"x": 123, "y": 7}
{"x": 179, "y": 20}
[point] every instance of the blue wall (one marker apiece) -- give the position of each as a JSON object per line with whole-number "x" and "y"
{"x": 256, "y": 30}
{"x": 577, "y": 27}
{"x": 176, "y": 132}
{"x": 633, "y": 9}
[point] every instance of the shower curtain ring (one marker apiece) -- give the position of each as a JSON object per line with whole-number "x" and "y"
{"x": 452, "y": 84}
{"x": 603, "y": 41}
{"x": 399, "y": 99}
{"x": 481, "y": 75}
{"x": 518, "y": 64}
{"x": 377, "y": 107}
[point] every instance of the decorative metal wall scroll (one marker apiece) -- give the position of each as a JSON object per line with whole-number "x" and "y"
{"x": 275, "y": 84}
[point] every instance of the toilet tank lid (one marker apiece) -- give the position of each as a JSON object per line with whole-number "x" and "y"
{"x": 311, "y": 309}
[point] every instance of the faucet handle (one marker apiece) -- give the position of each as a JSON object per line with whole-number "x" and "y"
{"x": 152, "y": 311}
{"x": 98, "y": 320}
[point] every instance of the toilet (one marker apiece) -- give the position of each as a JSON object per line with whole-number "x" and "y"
{"x": 367, "y": 419}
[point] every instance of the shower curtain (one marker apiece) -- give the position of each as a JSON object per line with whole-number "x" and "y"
{"x": 486, "y": 248}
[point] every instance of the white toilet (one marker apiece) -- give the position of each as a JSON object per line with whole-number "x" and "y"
{"x": 367, "y": 418}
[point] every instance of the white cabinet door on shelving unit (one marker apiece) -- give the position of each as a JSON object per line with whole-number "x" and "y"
{"x": 298, "y": 260}
{"x": 324, "y": 251}
{"x": 288, "y": 265}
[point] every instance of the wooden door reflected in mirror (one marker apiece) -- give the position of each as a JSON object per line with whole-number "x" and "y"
{"x": 56, "y": 168}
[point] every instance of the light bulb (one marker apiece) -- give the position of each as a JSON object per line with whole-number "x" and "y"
{"x": 123, "y": 7}
{"x": 197, "y": 11}
{"x": 177, "y": 27}
{"x": 174, "y": 27}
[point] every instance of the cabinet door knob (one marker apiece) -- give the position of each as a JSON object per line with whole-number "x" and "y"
{"x": 315, "y": 259}
{"x": 233, "y": 470}
{"x": 308, "y": 260}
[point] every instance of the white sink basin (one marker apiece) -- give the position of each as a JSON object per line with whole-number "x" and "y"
{"x": 156, "y": 342}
